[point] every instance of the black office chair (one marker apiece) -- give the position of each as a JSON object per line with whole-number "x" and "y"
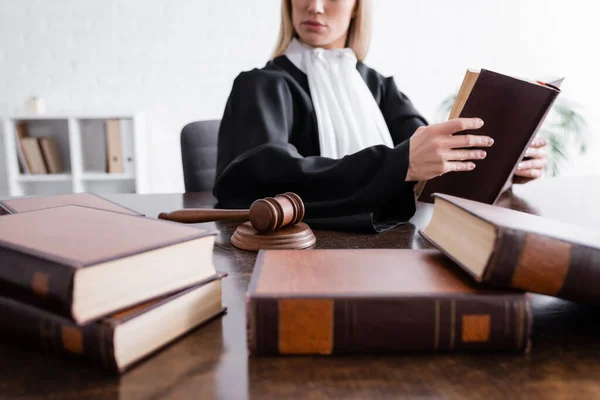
{"x": 199, "y": 154}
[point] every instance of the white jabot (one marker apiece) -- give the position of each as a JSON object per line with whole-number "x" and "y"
{"x": 348, "y": 116}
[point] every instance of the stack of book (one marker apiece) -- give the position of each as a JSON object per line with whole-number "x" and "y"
{"x": 37, "y": 155}
{"x": 82, "y": 275}
{"x": 470, "y": 293}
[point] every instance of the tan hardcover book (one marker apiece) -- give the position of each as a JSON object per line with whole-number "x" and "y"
{"x": 469, "y": 81}
{"x": 113, "y": 147}
{"x": 118, "y": 341}
{"x": 377, "y": 301}
{"x": 51, "y": 155}
{"x": 513, "y": 110}
{"x": 509, "y": 248}
{"x": 33, "y": 155}
{"x": 24, "y": 204}
{"x": 85, "y": 263}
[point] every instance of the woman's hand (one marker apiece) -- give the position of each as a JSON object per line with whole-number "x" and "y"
{"x": 434, "y": 151}
{"x": 533, "y": 166}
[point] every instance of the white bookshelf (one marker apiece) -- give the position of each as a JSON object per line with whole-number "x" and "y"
{"x": 81, "y": 142}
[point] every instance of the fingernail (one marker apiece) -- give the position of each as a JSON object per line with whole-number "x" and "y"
{"x": 479, "y": 122}
{"x": 482, "y": 154}
{"x": 520, "y": 166}
{"x": 471, "y": 166}
{"x": 490, "y": 141}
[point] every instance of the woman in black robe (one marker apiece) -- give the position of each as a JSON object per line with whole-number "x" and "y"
{"x": 269, "y": 139}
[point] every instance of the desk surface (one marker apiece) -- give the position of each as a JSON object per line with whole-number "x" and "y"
{"x": 212, "y": 362}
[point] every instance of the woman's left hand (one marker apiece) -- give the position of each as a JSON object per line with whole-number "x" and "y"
{"x": 533, "y": 167}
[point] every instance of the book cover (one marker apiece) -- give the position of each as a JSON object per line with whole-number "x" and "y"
{"x": 512, "y": 110}
{"x": 33, "y": 155}
{"x": 24, "y": 204}
{"x": 330, "y": 302}
{"x": 84, "y": 263}
{"x": 114, "y": 164}
{"x": 51, "y": 154}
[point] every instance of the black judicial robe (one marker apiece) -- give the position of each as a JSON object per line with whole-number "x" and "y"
{"x": 268, "y": 144}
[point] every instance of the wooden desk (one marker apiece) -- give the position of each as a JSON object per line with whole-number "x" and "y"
{"x": 212, "y": 362}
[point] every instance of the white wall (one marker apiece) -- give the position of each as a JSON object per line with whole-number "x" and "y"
{"x": 175, "y": 60}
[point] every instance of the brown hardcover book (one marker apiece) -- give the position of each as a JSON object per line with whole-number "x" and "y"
{"x": 509, "y": 248}
{"x": 86, "y": 263}
{"x": 51, "y": 154}
{"x": 114, "y": 162}
{"x": 377, "y": 301}
{"x": 119, "y": 341}
{"x": 512, "y": 110}
{"x": 24, "y": 204}
{"x": 33, "y": 155}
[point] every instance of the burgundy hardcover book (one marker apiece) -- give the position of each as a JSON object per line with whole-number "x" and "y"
{"x": 377, "y": 301}
{"x": 512, "y": 110}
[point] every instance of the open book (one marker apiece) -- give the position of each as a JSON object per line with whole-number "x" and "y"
{"x": 513, "y": 109}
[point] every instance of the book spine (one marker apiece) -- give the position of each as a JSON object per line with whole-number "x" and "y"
{"x": 541, "y": 264}
{"x": 322, "y": 326}
{"x": 113, "y": 147}
{"x": 33, "y": 327}
{"x": 36, "y": 281}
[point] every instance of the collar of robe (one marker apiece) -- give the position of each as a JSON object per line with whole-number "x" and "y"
{"x": 348, "y": 117}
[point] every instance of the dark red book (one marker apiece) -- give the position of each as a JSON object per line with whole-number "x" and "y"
{"x": 513, "y": 110}
{"x": 377, "y": 301}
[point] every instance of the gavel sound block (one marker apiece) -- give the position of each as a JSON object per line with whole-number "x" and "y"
{"x": 274, "y": 223}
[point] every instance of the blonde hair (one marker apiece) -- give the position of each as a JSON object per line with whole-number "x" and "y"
{"x": 359, "y": 31}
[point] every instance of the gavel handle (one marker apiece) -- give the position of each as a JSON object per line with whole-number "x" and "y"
{"x": 195, "y": 215}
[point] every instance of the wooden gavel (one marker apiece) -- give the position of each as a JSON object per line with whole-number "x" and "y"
{"x": 265, "y": 215}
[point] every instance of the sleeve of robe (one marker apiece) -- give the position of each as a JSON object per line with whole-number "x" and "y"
{"x": 364, "y": 191}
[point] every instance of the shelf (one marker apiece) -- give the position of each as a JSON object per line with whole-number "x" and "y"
{"x": 103, "y": 176}
{"x": 45, "y": 178}
{"x": 83, "y": 144}
{"x": 50, "y": 117}
{"x": 39, "y": 118}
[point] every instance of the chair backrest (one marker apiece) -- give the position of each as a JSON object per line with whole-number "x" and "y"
{"x": 199, "y": 154}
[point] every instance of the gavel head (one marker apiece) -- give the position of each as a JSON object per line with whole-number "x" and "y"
{"x": 271, "y": 213}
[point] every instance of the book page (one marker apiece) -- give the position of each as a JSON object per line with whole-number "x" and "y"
{"x": 463, "y": 93}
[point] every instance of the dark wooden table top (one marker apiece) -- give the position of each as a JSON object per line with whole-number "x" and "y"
{"x": 212, "y": 362}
